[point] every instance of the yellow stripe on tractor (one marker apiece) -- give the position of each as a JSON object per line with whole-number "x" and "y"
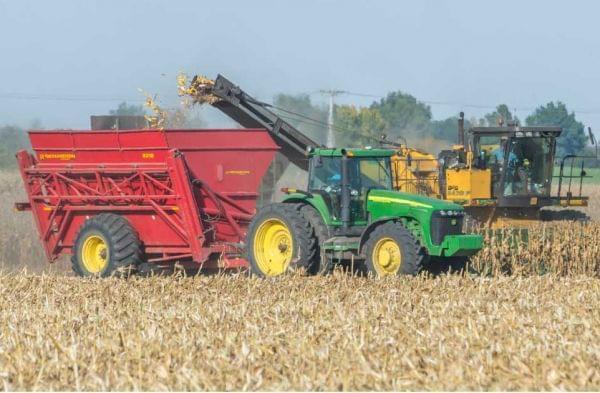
{"x": 400, "y": 201}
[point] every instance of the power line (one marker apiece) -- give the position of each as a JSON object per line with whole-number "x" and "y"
{"x": 314, "y": 122}
{"x": 79, "y": 98}
{"x": 322, "y": 125}
{"x": 43, "y": 97}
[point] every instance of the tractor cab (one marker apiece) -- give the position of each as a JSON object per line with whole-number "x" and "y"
{"x": 521, "y": 160}
{"x": 345, "y": 177}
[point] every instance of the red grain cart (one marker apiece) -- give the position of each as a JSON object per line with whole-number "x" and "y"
{"x": 158, "y": 196}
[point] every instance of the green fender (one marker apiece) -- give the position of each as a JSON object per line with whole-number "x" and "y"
{"x": 416, "y": 230}
{"x": 316, "y": 201}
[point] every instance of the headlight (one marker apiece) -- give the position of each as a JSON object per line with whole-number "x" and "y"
{"x": 451, "y": 213}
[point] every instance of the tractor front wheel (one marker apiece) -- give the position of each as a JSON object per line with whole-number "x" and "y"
{"x": 392, "y": 250}
{"x": 106, "y": 245}
{"x": 280, "y": 239}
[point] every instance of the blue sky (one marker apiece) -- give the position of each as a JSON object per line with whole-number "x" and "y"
{"x": 64, "y": 60}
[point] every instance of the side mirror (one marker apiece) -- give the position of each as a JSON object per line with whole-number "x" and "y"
{"x": 409, "y": 160}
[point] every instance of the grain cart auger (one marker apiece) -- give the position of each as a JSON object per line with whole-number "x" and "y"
{"x": 349, "y": 211}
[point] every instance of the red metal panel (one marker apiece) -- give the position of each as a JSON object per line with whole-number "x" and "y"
{"x": 232, "y": 164}
{"x": 188, "y": 193}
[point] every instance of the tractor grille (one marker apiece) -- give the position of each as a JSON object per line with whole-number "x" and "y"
{"x": 444, "y": 224}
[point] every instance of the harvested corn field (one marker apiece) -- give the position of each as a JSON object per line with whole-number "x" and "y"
{"x": 524, "y": 318}
{"x": 338, "y": 332}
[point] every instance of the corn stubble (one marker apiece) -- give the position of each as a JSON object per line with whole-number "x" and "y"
{"x": 338, "y": 332}
{"x": 528, "y": 320}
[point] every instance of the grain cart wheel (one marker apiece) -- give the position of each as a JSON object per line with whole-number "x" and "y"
{"x": 392, "y": 250}
{"x": 106, "y": 244}
{"x": 280, "y": 239}
{"x": 318, "y": 263}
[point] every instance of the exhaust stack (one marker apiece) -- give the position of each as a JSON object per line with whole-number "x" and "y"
{"x": 461, "y": 128}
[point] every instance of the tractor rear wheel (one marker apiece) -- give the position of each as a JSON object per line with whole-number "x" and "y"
{"x": 280, "y": 239}
{"x": 106, "y": 245}
{"x": 392, "y": 250}
{"x": 319, "y": 263}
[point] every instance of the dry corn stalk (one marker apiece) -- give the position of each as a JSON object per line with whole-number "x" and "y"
{"x": 225, "y": 332}
{"x": 197, "y": 91}
{"x": 160, "y": 116}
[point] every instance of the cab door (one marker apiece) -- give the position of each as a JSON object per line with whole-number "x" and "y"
{"x": 325, "y": 179}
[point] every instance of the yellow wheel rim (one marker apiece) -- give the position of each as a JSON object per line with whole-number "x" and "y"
{"x": 273, "y": 247}
{"x": 94, "y": 254}
{"x": 387, "y": 257}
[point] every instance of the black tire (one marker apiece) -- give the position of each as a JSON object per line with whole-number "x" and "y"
{"x": 302, "y": 235}
{"x": 318, "y": 263}
{"x": 121, "y": 241}
{"x": 412, "y": 254}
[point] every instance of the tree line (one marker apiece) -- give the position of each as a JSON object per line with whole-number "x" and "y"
{"x": 399, "y": 116}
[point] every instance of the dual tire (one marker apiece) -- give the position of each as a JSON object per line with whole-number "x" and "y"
{"x": 280, "y": 239}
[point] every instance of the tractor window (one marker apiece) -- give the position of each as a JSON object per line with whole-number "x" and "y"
{"x": 366, "y": 173}
{"x": 374, "y": 173}
{"x": 326, "y": 174}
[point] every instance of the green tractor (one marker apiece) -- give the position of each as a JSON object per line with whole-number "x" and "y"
{"x": 349, "y": 212}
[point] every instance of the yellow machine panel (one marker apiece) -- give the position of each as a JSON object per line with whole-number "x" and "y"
{"x": 465, "y": 184}
{"x": 416, "y": 172}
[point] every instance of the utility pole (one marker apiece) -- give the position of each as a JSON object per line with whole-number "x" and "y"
{"x": 331, "y": 94}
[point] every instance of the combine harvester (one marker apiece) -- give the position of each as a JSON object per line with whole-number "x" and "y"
{"x": 126, "y": 200}
{"x": 501, "y": 175}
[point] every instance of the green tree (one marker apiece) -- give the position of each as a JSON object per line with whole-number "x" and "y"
{"x": 501, "y": 114}
{"x": 446, "y": 130}
{"x": 124, "y": 109}
{"x": 358, "y": 126}
{"x": 301, "y": 104}
{"x": 573, "y": 139}
{"x": 403, "y": 114}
